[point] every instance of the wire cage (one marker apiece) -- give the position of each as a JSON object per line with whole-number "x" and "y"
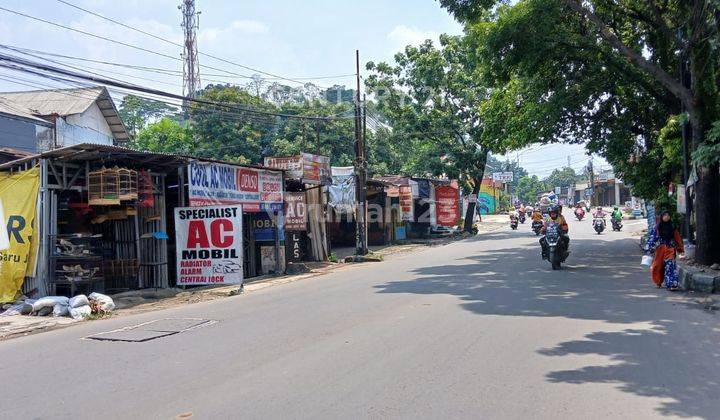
{"x": 128, "y": 179}
{"x": 104, "y": 187}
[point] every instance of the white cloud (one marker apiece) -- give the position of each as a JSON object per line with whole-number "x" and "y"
{"x": 235, "y": 30}
{"x": 250, "y": 26}
{"x": 403, "y": 35}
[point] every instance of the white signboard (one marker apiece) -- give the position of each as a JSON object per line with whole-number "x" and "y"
{"x": 504, "y": 177}
{"x": 681, "y": 199}
{"x": 215, "y": 183}
{"x": 209, "y": 244}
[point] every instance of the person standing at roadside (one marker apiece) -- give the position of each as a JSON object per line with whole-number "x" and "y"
{"x": 665, "y": 242}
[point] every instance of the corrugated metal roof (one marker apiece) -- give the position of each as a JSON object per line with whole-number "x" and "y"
{"x": 64, "y": 102}
{"x": 88, "y": 151}
{"x": 61, "y": 102}
{"x": 7, "y": 108}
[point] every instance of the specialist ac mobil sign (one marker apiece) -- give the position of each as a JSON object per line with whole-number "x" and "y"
{"x": 209, "y": 245}
{"x": 215, "y": 183}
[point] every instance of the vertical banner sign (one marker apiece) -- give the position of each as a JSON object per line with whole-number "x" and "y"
{"x": 681, "y": 200}
{"x": 316, "y": 169}
{"x": 295, "y": 211}
{"x": 446, "y": 204}
{"x": 214, "y": 183}
{"x": 407, "y": 207}
{"x": 19, "y": 196}
{"x": 293, "y": 245}
{"x": 209, "y": 245}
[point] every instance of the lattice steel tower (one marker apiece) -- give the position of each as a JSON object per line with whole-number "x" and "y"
{"x": 191, "y": 66}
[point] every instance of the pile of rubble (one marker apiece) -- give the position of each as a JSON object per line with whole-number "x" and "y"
{"x": 78, "y": 307}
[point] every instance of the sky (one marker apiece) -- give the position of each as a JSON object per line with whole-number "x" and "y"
{"x": 287, "y": 38}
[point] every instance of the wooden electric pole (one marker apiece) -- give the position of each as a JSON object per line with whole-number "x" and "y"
{"x": 360, "y": 170}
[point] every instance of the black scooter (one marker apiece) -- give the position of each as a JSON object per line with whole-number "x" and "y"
{"x": 616, "y": 225}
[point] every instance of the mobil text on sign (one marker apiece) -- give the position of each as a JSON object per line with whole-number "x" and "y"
{"x": 209, "y": 245}
{"x": 215, "y": 183}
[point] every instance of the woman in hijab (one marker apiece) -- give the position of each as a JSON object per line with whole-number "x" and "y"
{"x": 667, "y": 243}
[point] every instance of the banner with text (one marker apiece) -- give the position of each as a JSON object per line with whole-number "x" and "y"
{"x": 209, "y": 245}
{"x": 216, "y": 183}
{"x": 446, "y": 206}
{"x": 292, "y": 165}
{"x": 407, "y": 206}
{"x": 295, "y": 211}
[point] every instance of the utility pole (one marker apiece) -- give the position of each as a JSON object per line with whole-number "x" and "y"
{"x": 592, "y": 181}
{"x": 317, "y": 138}
{"x": 360, "y": 170}
{"x": 191, "y": 66}
{"x": 686, "y": 136}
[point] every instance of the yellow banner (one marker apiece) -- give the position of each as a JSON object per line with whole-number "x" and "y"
{"x": 18, "y": 195}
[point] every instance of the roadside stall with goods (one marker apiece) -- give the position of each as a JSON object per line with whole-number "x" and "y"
{"x": 306, "y": 179}
{"x": 100, "y": 218}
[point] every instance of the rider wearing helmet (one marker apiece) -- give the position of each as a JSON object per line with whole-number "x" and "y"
{"x": 616, "y": 214}
{"x": 599, "y": 213}
{"x": 554, "y": 216}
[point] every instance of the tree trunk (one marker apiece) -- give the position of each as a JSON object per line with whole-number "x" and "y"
{"x": 707, "y": 194}
{"x": 470, "y": 213}
{"x": 707, "y": 224}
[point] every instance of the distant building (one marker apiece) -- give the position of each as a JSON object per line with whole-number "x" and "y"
{"x": 40, "y": 120}
{"x": 608, "y": 190}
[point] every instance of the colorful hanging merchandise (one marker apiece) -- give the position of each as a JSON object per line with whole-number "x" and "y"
{"x": 145, "y": 190}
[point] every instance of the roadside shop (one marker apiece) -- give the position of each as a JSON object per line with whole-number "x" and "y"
{"x": 102, "y": 217}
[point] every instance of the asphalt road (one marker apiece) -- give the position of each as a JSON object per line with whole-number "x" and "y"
{"x": 480, "y": 328}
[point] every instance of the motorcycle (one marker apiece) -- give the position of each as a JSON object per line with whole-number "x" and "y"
{"x": 537, "y": 226}
{"x": 599, "y": 225}
{"x": 616, "y": 225}
{"x": 522, "y": 217}
{"x": 556, "y": 252}
{"x": 579, "y": 213}
{"x": 513, "y": 223}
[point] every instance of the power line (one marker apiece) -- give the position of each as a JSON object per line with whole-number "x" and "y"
{"x": 110, "y": 82}
{"x": 112, "y": 40}
{"x": 171, "y": 42}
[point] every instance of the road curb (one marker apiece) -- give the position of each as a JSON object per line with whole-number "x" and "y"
{"x": 699, "y": 279}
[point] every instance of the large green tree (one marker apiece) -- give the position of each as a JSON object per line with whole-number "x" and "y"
{"x": 606, "y": 72}
{"x": 432, "y": 99}
{"x": 528, "y": 188}
{"x": 564, "y": 177}
{"x": 137, "y": 112}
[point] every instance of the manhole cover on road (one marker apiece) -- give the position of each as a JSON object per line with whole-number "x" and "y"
{"x": 151, "y": 330}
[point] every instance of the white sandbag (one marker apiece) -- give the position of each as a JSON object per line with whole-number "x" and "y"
{"x": 103, "y": 302}
{"x": 61, "y": 310}
{"x": 81, "y": 312}
{"x": 49, "y": 301}
{"x": 78, "y": 301}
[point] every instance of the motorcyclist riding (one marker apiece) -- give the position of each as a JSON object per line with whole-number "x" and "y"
{"x": 599, "y": 213}
{"x": 537, "y": 215}
{"x": 616, "y": 214}
{"x": 579, "y": 211}
{"x": 557, "y": 218}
